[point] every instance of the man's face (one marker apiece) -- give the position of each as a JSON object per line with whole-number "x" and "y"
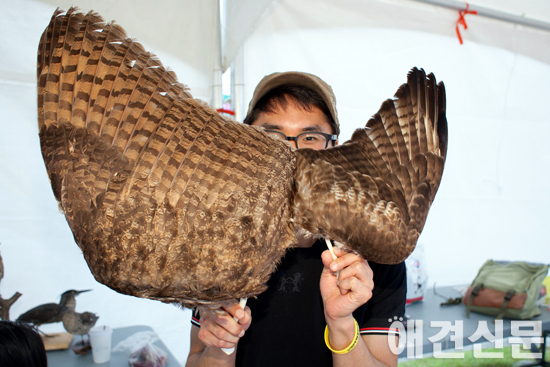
{"x": 294, "y": 120}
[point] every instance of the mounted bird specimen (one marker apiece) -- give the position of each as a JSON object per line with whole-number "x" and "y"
{"x": 170, "y": 201}
{"x": 78, "y": 324}
{"x": 50, "y": 313}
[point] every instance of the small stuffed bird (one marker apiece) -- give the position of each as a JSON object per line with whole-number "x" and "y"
{"x": 78, "y": 323}
{"x": 50, "y": 313}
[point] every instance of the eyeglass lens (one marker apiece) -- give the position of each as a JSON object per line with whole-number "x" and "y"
{"x": 310, "y": 140}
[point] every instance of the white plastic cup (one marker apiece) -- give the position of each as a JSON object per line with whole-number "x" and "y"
{"x": 100, "y": 338}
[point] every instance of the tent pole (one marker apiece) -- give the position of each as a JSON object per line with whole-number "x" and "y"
{"x": 217, "y": 90}
{"x": 237, "y": 86}
{"x": 490, "y": 13}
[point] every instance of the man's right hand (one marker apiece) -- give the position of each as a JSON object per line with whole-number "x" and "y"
{"x": 219, "y": 329}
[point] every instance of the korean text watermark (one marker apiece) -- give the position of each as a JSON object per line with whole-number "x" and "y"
{"x": 523, "y": 334}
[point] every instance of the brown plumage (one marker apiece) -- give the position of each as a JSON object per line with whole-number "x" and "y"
{"x": 170, "y": 201}
{"x": 373, "y": 192}
{"x": 77, "y": 323}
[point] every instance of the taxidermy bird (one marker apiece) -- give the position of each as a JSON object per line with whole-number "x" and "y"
{"x": 168, "y": 200}
{"x": 50, "y": 313}
{"x": 78, "y": 323}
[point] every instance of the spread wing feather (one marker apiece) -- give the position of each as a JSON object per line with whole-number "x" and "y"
{"x": 375, "y": 190}
{"x": 163, "y": 195}
{"x": 170, "y": 201}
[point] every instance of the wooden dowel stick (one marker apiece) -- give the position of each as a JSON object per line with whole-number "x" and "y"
{"x": 242, "y": 303}
{"x": 329, "y": 245}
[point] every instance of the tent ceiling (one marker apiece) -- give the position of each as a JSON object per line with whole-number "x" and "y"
{"x": 176, "y": 26}
{"x": 424, "y": 16}
{"x": 241, "y": 18}
{"x": 183, "y": 32}
{"x": 516, "y": 16}
{"x": 532, "y": 9}
{"x": 178, "y": 31}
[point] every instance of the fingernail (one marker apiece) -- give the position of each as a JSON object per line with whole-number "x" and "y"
{"x": 333, "y": 266}
{"x": 239, "y": 314}
{"x": 241, "y": 334}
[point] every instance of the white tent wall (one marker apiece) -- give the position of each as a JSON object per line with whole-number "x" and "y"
{"x": 493, "y": 201}
{"x": 182, "y": 33}
{"x": 239, "y": 18}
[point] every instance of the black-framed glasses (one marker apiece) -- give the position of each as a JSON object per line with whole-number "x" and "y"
{"x": 309, "y": 139}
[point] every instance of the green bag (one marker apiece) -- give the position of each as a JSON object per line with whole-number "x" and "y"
{"x": 506, "y": 289}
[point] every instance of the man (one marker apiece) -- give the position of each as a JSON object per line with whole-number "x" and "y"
{"x": 312, "y": 301}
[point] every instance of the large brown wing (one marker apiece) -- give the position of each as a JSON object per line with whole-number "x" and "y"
{"x": 166, "y": 199}
{"x": 373, "y": 193}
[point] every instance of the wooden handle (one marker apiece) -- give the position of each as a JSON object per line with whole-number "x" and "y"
{"x": 329, "y": 245}
{"x": 242, "y": 303}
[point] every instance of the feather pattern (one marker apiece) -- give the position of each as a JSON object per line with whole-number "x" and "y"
{"x": 153, "y": 182}
{"x": 170, "y": 201}
{"x": 393, "y": 170}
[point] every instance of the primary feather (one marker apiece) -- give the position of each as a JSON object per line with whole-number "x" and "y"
{"x": 170, "y": 201}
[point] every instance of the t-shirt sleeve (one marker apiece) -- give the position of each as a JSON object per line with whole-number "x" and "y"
{"x": 195, "y": 318}
{"x": 387, "y": 304}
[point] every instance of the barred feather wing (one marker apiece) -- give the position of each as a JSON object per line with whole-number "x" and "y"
{"x": 374, "y": 192}
{"x": 166, "y": 199}
{"x": 169, "y": 201}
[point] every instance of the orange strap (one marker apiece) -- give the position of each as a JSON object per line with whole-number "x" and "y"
{"x": 462, "y": 21}
{"x": 222, "y": 110}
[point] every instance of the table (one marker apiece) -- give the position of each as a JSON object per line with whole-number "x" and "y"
{"x": 435, "y": 319}
{"x": 67, "y": 358}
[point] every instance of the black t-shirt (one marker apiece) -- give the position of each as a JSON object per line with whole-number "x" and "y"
{"x": 288, "y": 322}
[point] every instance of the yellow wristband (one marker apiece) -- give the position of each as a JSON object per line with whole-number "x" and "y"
{"x": 350, "y": 347}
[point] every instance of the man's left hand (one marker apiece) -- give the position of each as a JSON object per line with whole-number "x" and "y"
{"x": 353, "y": 287}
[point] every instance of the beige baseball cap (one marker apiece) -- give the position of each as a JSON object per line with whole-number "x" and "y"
{"x": 299, "y": 78}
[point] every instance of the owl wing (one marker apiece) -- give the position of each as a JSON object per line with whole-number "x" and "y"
{"x": 166, "y": 199}
{"x": 373, "y": 192}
